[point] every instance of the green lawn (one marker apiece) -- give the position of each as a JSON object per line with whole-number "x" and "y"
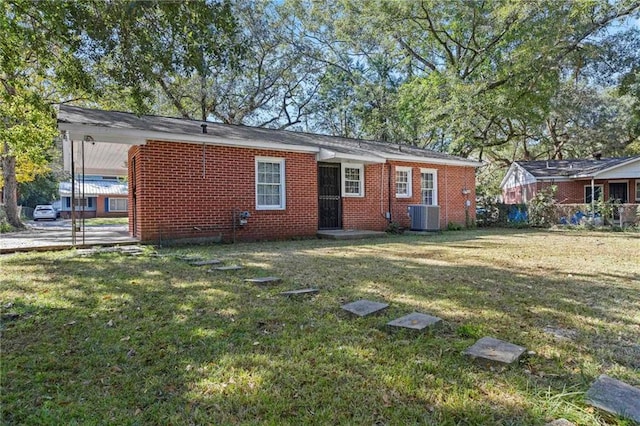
{"x": 96, "y": 221}
{"x": 114, "y": 339}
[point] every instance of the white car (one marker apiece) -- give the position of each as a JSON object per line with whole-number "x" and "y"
{"x": 44, "y": 211}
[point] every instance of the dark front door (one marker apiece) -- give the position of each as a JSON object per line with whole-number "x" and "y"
{"x": 329, "y": 201}
{"x": 618, "y": 191}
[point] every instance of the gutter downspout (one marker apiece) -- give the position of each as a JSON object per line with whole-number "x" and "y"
{"x": 446, "y": 196}
{"x": 389, "y": 193}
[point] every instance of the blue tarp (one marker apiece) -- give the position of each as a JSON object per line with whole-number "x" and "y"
{"x": 517, "y": 215}
{"x": 576, "y": 218}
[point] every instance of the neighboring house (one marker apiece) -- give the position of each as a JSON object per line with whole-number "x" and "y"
{"x": 100, "y": 196}
{"x": 191, "y": 179}
{"x": 576, "y": 180}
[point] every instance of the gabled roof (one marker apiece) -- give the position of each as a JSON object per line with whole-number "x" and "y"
{"x": 578, "y": 168}
{"x": 93, "y": 188}
{"x": 127, "y": 128}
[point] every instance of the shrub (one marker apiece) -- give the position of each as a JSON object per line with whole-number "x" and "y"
{"x": 394, "y": 228}
{"x": 543, "y": 208}
{"x": 452, "y": 226}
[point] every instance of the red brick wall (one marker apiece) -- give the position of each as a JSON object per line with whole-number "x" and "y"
{"x": 368, "y": 212}
{"x": 190, "y": 191}
{"x": 516, "y": 195}
{"x": 451, "y": 181}
{"x": 571, "y": 192}
{"x": 100, "y": 211}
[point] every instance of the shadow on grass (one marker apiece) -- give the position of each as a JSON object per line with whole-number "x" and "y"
{"x": 147, "y": 340}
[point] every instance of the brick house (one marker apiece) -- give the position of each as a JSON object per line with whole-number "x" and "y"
{"x": 190, "y": 179}
{"x": 95, "y": 196}
{"x": 576, "y": 180}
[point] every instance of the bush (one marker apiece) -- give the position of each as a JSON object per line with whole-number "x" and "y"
{"x": 543, "y": 209}
{"x": 452, "y": 226}
{"x": 394, "y": 228}
{"x": 606, "y": 209}
{"x": 489, "y": 212}
{"x": 4, "y": 225}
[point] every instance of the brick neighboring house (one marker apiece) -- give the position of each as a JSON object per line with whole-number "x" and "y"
{"x": 576, "y": 180}
{"x": 191, "y": 179}
{"x": 104, "y": 196}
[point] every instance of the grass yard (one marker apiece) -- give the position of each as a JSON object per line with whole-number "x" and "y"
{"x": 100, "y": 221}
{"x": 115, "y": 339}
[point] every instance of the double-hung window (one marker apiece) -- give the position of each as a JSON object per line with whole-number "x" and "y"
{"x": 352, "y": 180}
{"x": 429, "y": 186}
{"x": 587, "y": 193}
{"x": 403, "y": 182}
{"x": 117, "y": 204}
{"x": 270, "y": 190}
{"x": 637, "y": 189}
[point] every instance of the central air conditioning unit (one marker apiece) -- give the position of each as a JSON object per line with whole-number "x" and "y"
{"x": 424, "y": 217}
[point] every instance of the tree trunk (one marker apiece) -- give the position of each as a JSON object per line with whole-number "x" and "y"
{"x": 10, "y": 188}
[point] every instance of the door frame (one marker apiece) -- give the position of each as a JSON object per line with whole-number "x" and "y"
{"x": 338, "y": 167}
{"x": 625, "y": 182}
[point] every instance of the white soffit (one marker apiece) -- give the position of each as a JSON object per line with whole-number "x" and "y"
{"x": 630, "y": 169}
{"x": 99, "y": 158}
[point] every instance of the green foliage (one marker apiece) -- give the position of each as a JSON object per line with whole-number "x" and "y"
{"x": 27, "y": 134}
{"x": 155, "y": 46}
{"x": 490, "y": 212}
{"x": 453, "y": 226}
{"x": 472, "y": 331}
{"x": 605, "y": 208}
{"x": 542, "y": 208}
{"x": 4, "y": 225}
{"x": 42, "y": 190}
{"x": 394, "y": 228}
{"x": 500, "y": 81}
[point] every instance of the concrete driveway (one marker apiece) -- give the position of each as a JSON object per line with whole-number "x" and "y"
{"x": 57, "y": 234}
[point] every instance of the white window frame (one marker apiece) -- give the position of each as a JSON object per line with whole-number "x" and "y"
{"x": 115, "y": 200}
{"x": 409, "y": 172}
{"x": 594, "y": 190}
{"x": 360, "y": 168}
{"x": 637, "y": 189}
{"x": 283, "y": 203}
{"x": 81, "y": 202}
{"x": 434, "y": 172}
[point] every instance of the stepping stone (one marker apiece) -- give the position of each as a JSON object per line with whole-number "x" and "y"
{"x": 560, "y": 422}
{"x": 226, "y": 268}
{"x": 205, "y": 262}
{"x": 129, "y": 248}
{"x": 302, "y": 291}
{"x": 263, "y": 280}
{"x": 561, "y": 333}
{"x": 615, "y": 397}
{"x": 158, "y": 255}
{"x": 188, "y": 258}
{"x": 415, "y": 321}
{"x": 364, "y": 307}
{"x": 493, "y": 350}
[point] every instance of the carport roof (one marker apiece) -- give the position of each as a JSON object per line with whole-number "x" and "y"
{"x": 130, "y": 129}
{"x": 94, "y": 188}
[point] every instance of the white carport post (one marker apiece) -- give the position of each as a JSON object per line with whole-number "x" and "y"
{"x": 593, "y": 203}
